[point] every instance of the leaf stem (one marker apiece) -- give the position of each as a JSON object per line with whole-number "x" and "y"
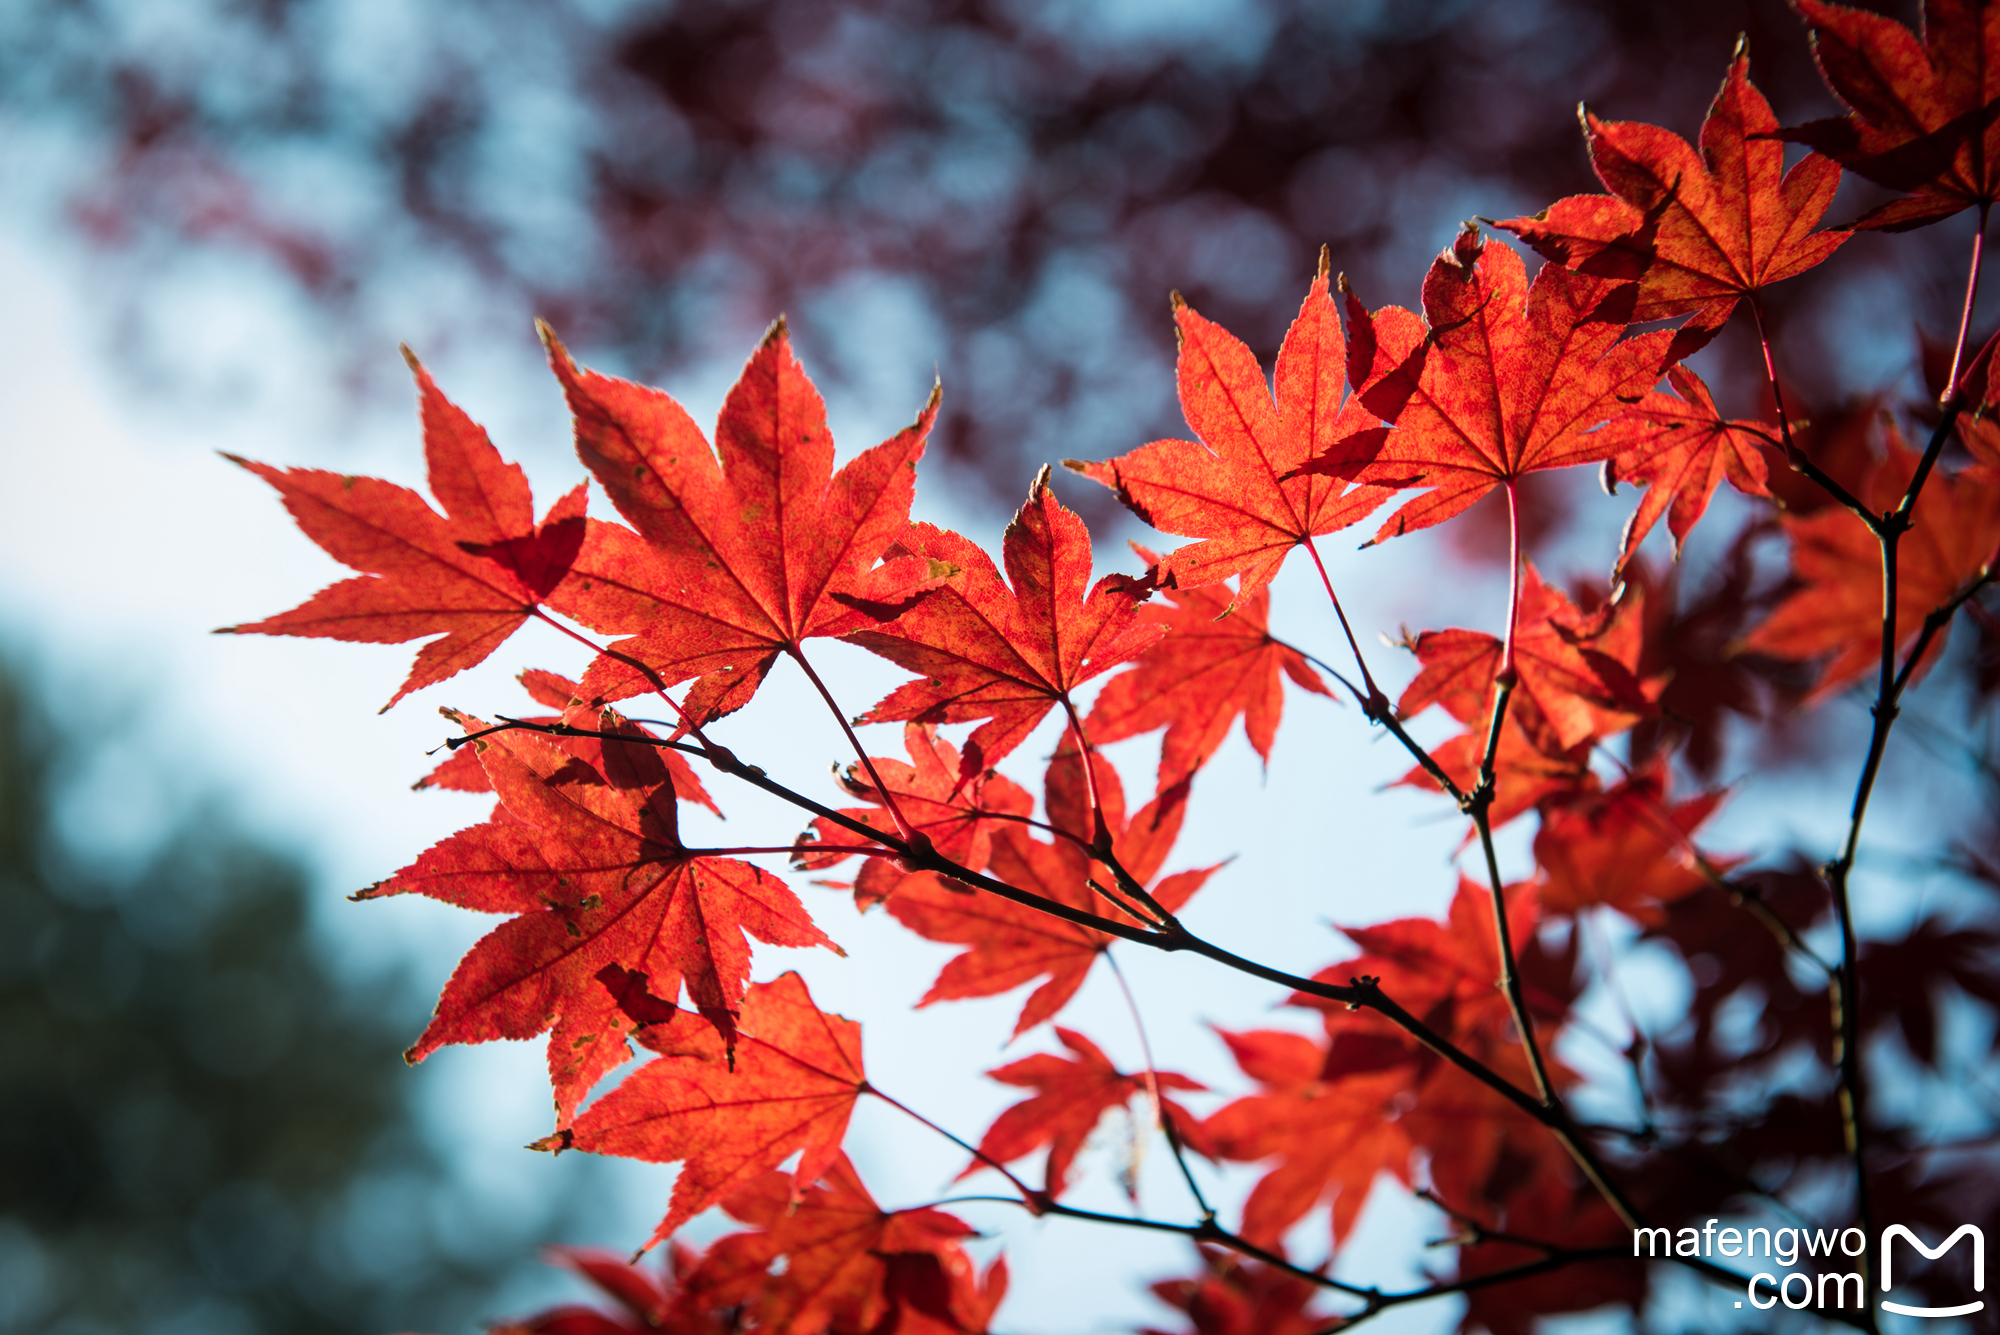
{"x": 1507, "y": 673}
{"x": 1037, "y": 1201}
{"x": 1160, "y": 1117}
{"x": 1374, "y": 695}
{"x": 909, "y": 832}
{"x": 1795, "y": 456}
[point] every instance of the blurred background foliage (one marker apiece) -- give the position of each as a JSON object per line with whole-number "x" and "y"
{"x": 205, "y": 1127}
{"x": 1023, "y": 179}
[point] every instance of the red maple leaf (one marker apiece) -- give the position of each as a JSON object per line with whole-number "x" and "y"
{"x": 1445, "y": 973}
{"x": 1625, "y": 847}
{"x": 1510, "y": 379}
{"x": 737, "y": 561}
{"x": 1072, "y": 1096}
{"x": 1921, "y": 112}
{"x": 1332, "y": 1129}
{"x": 1570, "y": 686}
{"x": 1680, "y": 449}
{"x": 1011, "y": 944}
{"x": 1219, "y": 660}
{"x": 958, "y": 815}
{"x": 729, "y": 1117}
{"x": 464, "y": 772}
{"x": 648, "y": 1302}
{"x": 1837, "y": 611}
{"x": 1698, "y": 231}
{"x": 474, "y": 575}
{"x": 591, "y": 865}
{"x": 1234, "y": 1295}
{"x": 1008, "y": 655}
{"x": 831, "y": 1258}
{"x": 1239, "y": 486}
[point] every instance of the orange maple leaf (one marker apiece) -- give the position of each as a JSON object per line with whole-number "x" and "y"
{"x": 1008, "y": 655}
{"x": 1011, "y": 944}
{"x": 729, "y": 1118}
{"x": 1239, "y": 486}
{"x": 1072, "y": 1095}
{"x": 1698, "y": 230}
{"x": 958, "y": 815}
{"x": 591, "y": 864}
{"x": 831, "y": 1258}
{"x": 475, "y": 574}
{"x": 738, "y": 560}
{"x": 1680, "y": 449}
{"x": 1507, "y": 379}
{"x": 1218, "y": 660}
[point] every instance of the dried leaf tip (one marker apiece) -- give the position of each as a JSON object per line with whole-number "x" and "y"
{"x": 1742, "y": 46}
{"x": 778, "y": 331}
{"x": 1177, "y": 301}
{"x": 1467, "y": 246}
{"x": 1326, "y": 260}
{"x": 1583, "y": 119}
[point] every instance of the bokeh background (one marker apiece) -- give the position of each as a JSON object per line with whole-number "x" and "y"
{"x": 221, "y": 216}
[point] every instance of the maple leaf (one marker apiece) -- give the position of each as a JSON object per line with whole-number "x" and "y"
{"x": 1011, "y": 944}
{"x": 1238, "y": 487}
{"x": 1219, "y": 660}
{"x": 1921, "y": 112}
{"x": 1698, "y": 230}
{"x": 1445, "y": 973}
{"x": 830, "y": 1257}
{"x": 1568, "y": 685}
{"x": 647, "y": 1302}
{"x": 736, "y": 561}
{"x": 1510, "y": 378}
{"x": 957, "y": 815}
{"x": 1332, "y": 1131}
{"x": 1626, "y": 848}
{"x": 1234, "y": 1295}
{"x": 1072, "y": 1095}
{"x": 474, "y": 575}
{"x": 727, "y": 1117}
{"x": 465, "y": 773}
{"x": 1836, "y": 612}
{"x": 1681, "y": 448}
{"x": 1008, "y": 655}
{"x": 591, "y": 865}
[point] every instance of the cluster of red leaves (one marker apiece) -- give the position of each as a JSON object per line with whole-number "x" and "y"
{"x": 734, "y": 555}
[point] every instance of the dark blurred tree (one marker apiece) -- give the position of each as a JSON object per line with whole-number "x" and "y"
{"x": 1031, "y": 177}
{"x": 202, "y": 1128}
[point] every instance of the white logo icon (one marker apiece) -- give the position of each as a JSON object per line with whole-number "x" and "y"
{"x": 1895, "y": 1231}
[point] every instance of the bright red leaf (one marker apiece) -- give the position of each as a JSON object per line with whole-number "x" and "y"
{"x": 958, "y": 815}
{"x": 1007, "y": 651}
{"x": 1072, "y": 1094}
{"x": 474, "y": 575}
{"x": 831, "y": 1258}
{"x": 728, "y": 1117}
{"x": 1219, "y": 660}
{"x": 464, "y": 772}
{"x": 1680, "y": 449}
{"x": 1569, "y": 685}
{"x": 1698, "y": 230}
{"x": 1238, "y": 487}
{"x": 737, "y": 561}
{"x": 1511, "y": 378}
{"x": 591, "y": 865}
{"x": 1011, "y": 944}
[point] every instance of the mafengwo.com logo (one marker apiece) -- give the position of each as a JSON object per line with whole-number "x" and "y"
{"x": 1805, "y": 1287}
